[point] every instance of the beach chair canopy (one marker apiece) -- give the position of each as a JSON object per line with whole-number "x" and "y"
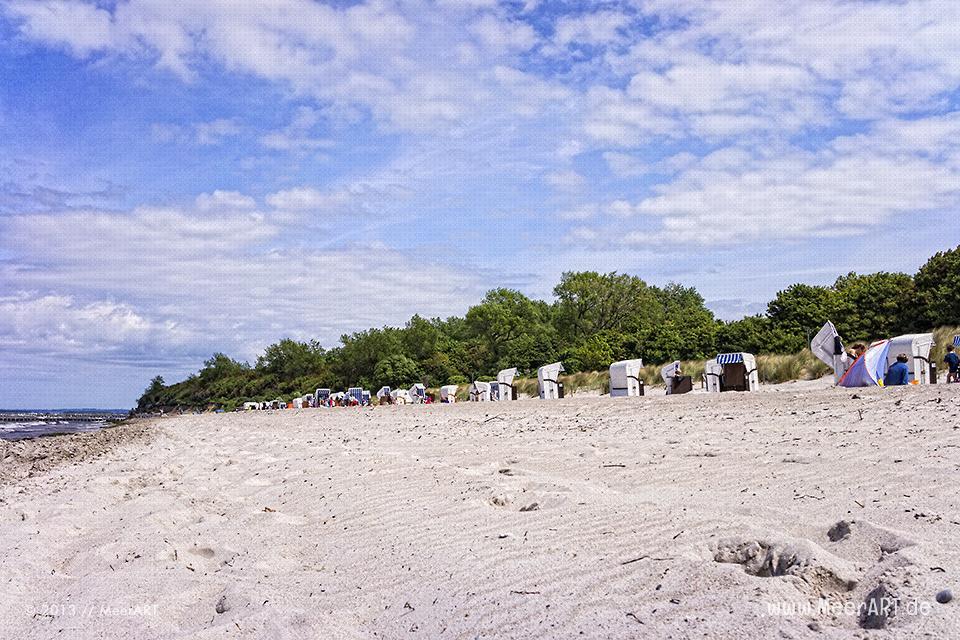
{"x": 356, "y": 392}
{"x": 322, "y": 394}
{"x": 401, "y": 395}
{"x": 503, "y": 389}
{"x": 448, "y": 393}
{"x": 384, "y": 392}
{"x": 418, "y": 392}
{"x": 828, "y": 348}
{"x": 548, "y": 380}
{"x": 625, "y": 378}
{"x": 917, "y": 347}
{"x": 667, "y": 371}
{"x": 956, "y": 341}
{"x": 732, "y": 372}
{"x": 479, "y": 391}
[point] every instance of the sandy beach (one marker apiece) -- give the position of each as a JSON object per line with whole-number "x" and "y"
{"x": 742, "y": 515}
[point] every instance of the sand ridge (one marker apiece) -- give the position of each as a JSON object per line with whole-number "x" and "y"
{"x": 688, "y": 516}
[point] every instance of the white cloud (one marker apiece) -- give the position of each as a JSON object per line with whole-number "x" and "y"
{"x": 209, "y": 133}
{"x": 224, "y": 200}
{"x": 308, "y": 198}
{"x": 194, "y": 282}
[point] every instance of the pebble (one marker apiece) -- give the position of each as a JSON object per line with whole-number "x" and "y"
{"x": 945, "y": 596}
{"x": 222, "y": 605}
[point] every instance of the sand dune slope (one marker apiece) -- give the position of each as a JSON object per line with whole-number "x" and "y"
{"x": 751, "y": 515}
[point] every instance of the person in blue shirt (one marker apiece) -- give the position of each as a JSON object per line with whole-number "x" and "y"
{"x": 953, "y": 364}
{"x": 898, "y": 373}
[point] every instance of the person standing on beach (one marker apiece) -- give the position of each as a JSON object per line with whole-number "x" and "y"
{"x": 898, "y": 373}
{"x": 952, "y": 360}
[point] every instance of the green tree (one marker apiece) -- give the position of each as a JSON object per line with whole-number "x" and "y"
{"x": 289, "y": 359}
{"x": 589, "y": 302}
{"x": 938, "y": 290}
{"x": 877, "y": 305}
{"x": 397, "y": 371}
{"x": 796, "y": 314}
{"x": 750, "y": 335}
{"x": 508, "y": 322}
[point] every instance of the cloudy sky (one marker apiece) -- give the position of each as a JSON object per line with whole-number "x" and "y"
{"x": 179, "y": 178}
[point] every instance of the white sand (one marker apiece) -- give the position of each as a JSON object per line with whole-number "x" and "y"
{"x": 413, "y": 522}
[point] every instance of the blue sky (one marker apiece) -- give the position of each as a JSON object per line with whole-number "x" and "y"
{"x": 209, "y": 175}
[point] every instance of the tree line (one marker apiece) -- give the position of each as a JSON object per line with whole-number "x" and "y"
{"x": 596, "y": 319}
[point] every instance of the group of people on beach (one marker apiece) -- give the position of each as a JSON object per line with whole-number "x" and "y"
{"x": 899, "y": 372}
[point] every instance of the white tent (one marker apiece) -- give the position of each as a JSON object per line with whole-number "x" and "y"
{"x": 548, "y": 382}
{"x": 504, "y": 385}
{"x": 625, "y": 378}
{"x": 917, "y": 347}
{"x": 418, "y": 393}
{"x": 448, "y": 393}
{"x": 828, "y": 348}
{"x": 732, "y": 372}
{"x": 401, "y": 396}
{"x": 479, "y": 391}
{"x": 668, "y": 372}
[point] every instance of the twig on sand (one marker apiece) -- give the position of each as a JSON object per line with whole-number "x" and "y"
{"x": 609, "y": 466}
{"x": 635, "y": 559}
{"x": 634, "y": 616}
{"x": 859, "y": 504}
{"x": 496, "y": 417}
{"x": 525, "y": 593}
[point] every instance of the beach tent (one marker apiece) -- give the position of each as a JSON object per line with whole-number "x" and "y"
{"x": 732, "y": 372}
{"x": 625, "y": 378}
{"x": 356, "y": 393}
{"x": 401, "y": 396}
{"x": 868, "y": 370}
{"x": 828, "y": 348}
{"x": 418, "y": 393}
{"x": 548, "y": 382}
{"x": 448, "y": 393}
{"x": 479, "y": 391}
{"x": 503, "y": 388}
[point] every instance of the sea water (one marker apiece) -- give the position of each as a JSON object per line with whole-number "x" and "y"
{"x": 20, "y": 425}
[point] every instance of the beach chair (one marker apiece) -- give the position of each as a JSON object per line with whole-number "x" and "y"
{"x": 731, "y": 372}
{"x": 479, "y": 391}
{"x": 625, "y": 378}
{"x": 448, "y": 393}
{"x": 548, "y": 383}
{"x": 504, "y": 385}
